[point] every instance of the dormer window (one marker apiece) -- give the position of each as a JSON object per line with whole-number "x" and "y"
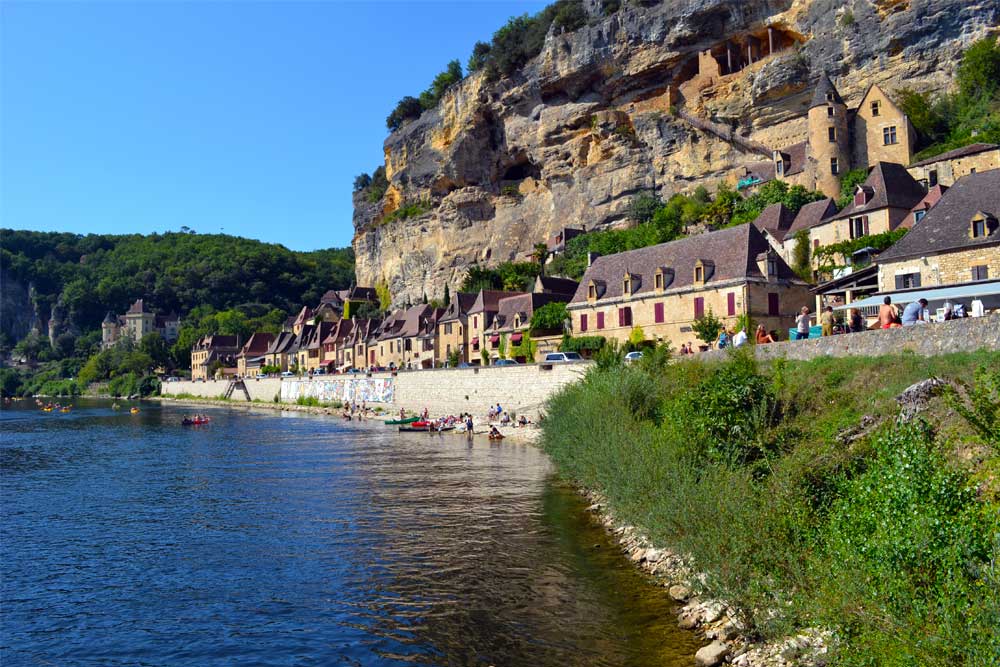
{"x": 627, "y": 285}
{"x": 772, "y": 267}
{"x": 860, "y": 197}
{"x": 699, "y": 274}
{"x": 592, "y": 292}
{"x": 829, "y": 97}
{"x": 876, "y": 108}
{"x": 658, "y": 281}
{"x": 982, "y": 225}
{"x": 703, "y": 271}
{"x": 779, "y": 167}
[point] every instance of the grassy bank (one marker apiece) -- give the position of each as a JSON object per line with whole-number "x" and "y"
{"x": 887, "y": 534}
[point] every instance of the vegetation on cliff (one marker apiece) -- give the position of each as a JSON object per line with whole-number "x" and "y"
{"x": 803, "y": 499}
{"x": 970, "y": 114}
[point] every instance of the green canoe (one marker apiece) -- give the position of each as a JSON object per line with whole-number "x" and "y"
{"x": 408, "y": 420}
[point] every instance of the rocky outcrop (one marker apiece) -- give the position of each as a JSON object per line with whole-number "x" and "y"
{"x": 590, "y": 122}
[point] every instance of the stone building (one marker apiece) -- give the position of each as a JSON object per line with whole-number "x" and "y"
{"x": 481, "y": 316}
{"x": 511, "y": 327}
{"x": 840, "y": 139}
{"x": 453, "y": 328}
{"x": 279, "y": 351}
{"x": 214, "y": 355}
{"x": 250, "y": 358}
{"x": 946, "y": 168}
{"x": 957, "y": 242}
{"x": 136, "y": 323}
{"x": 664, "y": 288}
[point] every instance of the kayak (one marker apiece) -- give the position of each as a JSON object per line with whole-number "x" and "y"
{"x": 408, "y": 420}
{"x": 424, "y": 428}
{"x": 195, "y": 422}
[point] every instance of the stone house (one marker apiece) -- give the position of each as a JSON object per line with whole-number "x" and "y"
{"x": 840, "y": 139}
{"x": 481, "y": 316}
{"x": 361, "y": 338}
{"x": 398, "y": 335}
{"x": 453, "y": 328}
{"x": 511, "y": 328}
{"x": 948, "y": 167}
{"x": 920, "y": 209}
{"x": 310, "y": 352}
{"x": 663, "y": 289}
{"x": 250, "y": 358}
{"x": 809, "y": 216}
{"x": 211, "y": 352}
{"x": 338, "y": 354}
{"x": 337, "y": 304}
{"x": 957, "y": 242}
{"x": 279, "y": 351}
{"x": 426, "y": 344}
{"x": 564, "y": 287}
{"x": 136, "y": 323}
{"x": 880, "y": 204}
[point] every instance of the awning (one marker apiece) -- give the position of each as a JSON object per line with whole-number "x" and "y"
{"x": 969, "y": 291}
{"x": 494, "y": 339}
{"x": 475, "y": 341}
{"x": 515, "y": 339}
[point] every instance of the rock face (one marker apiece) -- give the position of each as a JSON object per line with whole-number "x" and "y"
{"x": 603, "y": 113}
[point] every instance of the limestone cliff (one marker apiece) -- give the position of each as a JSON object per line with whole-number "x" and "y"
{"x": 606, "y": 112}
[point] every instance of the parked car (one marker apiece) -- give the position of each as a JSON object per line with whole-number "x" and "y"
{"x": 633, "y": 357}
{"x": 173, "y": 379}
{"x": 505, "y": 362}
{"x": 287, "y": 374}
{"x": 560, "y": 357}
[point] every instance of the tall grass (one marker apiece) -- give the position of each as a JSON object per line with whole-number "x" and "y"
{"x": 883, "y": 540}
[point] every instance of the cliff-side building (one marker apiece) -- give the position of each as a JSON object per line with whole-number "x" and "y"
{"x": 214, "y": 355}
{"x": 948, "y": 167}
{"x": 136, "y": 323}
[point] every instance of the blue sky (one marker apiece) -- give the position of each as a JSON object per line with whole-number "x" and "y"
{"x": 250, "y": 118}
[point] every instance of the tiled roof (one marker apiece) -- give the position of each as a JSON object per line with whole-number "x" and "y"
{"x": 824, "y": 86}
{"x": 487, "y": 301}
{"x": 811, "y": 215}
{"x": 775, "y": 219}
{"x": 281, "y": 343}
{"x": 257, "y": 344}
{"x": 459, "y": 306}
{"x": 338, "y": 332}
{"x": 964, "y": 151}
{"x": 796, "y": 156}
{"x": 554, "y": 285}
{"x": 732, "y": 254}
{"x": 110, "y": 318}
{"x": 217, "y": 341}
{"x": 890, "y": 186}
{"x": 930, "y": 199}
{"x": 946, "y": 227}
{"x": 524, "y": 305}
{"x": 137, "y": 308}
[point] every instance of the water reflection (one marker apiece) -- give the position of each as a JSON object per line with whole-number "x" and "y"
{"x": 288, "y": 539}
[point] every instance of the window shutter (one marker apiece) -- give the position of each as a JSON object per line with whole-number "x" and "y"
{"x": 865, "y": 223}
{"x": 583, "y": 322}
{"x": 773, "y": 304}
{"x": 916, "y": 279}
{"x": 600, "y": 320}
{"x": 658, "y": 312}
{"x": 731, "y": 304}
{"x": 628, "y": 316}
{"x": 899, "y": 282}
{"x": 699, "y": 307}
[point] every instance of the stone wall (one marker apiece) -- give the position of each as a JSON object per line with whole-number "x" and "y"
{"x": 262, "y": 389}
{"x": 943, "y": 269}
{"x": 926, "y": 340}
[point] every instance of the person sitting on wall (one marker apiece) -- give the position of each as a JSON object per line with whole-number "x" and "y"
{"x": 914, "y": 313}
{"x": 740, "y": 339}
{"x": 762, "y": 336}
{"x": 723, "y": 340}
{"x": 888, "y": 314}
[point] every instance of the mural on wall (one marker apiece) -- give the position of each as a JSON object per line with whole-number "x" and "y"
{"x": 348, "y": 390}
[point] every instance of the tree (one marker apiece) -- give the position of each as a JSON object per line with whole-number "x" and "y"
{"x": 849, "y": 182}
{"x": 153, "y": 345}
{"x": 453, "y": 358}
{"x": 442, "y": 82}
{"x": 707, "y": 327}
{"x": 406, "y": 109}
{"x": 479, "y": 57}
{"x": 540, "y": 254}
{"x": 550, "y": 317}
{"x": 801, "y": 261}
{"x": 362, "y": 181}
{"x": 447, "y": 296}
{"x": 383, "y": 294}
{"x": 643, "y": 207}
{"x": 978, "y": 73}
{"x": 637, "y": 336}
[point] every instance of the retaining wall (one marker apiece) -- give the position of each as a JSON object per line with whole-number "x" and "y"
{"x": 965, "y": 335}
{"x": 264, "y": 389}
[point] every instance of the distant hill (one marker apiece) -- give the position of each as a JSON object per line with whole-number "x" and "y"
{"x": 66, "y": 283}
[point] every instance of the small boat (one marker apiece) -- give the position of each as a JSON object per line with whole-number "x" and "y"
{"x": 424, "y": 428}
{"x": 66, "y": 409}
{"x": 197, "y": 421}
{"x": 395, "y": 422}
{"x": 134, "y": 411}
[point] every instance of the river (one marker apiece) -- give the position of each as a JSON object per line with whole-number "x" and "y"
{"x": 289, "y": 539}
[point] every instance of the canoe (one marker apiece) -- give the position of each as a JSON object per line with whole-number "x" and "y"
{"x": 194, "y": 422}
{"x": 408, "y": 420}
{"x": 424, "y": 429}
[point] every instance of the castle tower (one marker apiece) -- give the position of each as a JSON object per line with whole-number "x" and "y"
{"x": 829, "y": 140}
{"x": 109, "y": 330}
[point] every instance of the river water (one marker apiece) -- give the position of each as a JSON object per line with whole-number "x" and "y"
{"x": 287, "y": 539}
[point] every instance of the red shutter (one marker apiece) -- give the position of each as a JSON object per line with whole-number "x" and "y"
{"x": 628, "y": 316}
{"x": 731, "y": 304}
{"x": 699, "y": 306}
{"x": 600, "y": 320}
{"x": 773, "y": 307}
{"x": 865, "y": 223}
{"x": 658, "y": 312}
{"x": 621, "y": 317}
{"x": 583, "y": 322}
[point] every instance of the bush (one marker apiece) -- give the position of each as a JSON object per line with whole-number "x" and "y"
{"x": 406, "y": 109}
{"x": 550, "y": 317}
{"x": 643, "y": 207}
{"x": 707, "y": 327}
{"x": 582, "y": 343}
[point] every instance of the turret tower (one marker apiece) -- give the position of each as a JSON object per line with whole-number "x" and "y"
{"x": 829, "y": 140}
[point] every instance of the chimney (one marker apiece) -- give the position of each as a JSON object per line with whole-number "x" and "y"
{"x": 591, "y": 256}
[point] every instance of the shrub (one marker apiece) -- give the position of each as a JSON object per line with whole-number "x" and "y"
{"x": 643, "y": 207}
{"x": 550, "y": 317}
{"x": 406, "y": 109}
{"x": 610, "y": 355}
{"x": 581, "y": 343}
{"x": 707, "y": 327}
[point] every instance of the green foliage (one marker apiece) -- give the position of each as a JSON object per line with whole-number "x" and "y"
{"x": 801, "y": 259}
{"x": 882, "y": 540}
{"x": 847, "y": 19}
{"x": 636, "y": 337}
{"x": 525, "y": 349}
{"x": 362, "y": 181}
{"x": 979, "y": 403}
{"x": 581, "y": 343}
{"x": 406, "y": 109}
{"x": 828, "y": 257}
{"x": 793, "y": 197}
{"x": 270, "y": 370}
{"x": 10, "y": 383}
{"x": 453, "y": 358}
{"x": 609, "y": 7}
{"x": 379, "y": 184}
{"x": 442, "y": 82}
{"x": 479, "y": 57}
{"x": 522, "y": 38}
{"x": 849, "y": 182}
{"x": 408, "y": 209}
{"x": 502, "y": 348}
{"x": 549, "y": 317}
{"x": 509, "y": 276}
{"x": 610, "y": 356}
{"x": 643, "y": 207}
{"x": 484, "y": 356}
{"x": 707, "y": 327}
{"x": 972, "y": 114}
{"x": 447, "y": 297}
{"x": 511, "y": 191}
{"x": 383, "y": 294}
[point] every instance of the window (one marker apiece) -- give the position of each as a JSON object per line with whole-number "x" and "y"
{"x": 919, "y": 215}
{"x": 624, "y": 317}
{"x": 592, "y": 292}
{"x": 829, "y": 97}
{"x": 907, "y": 280}
{"x": 731, "y": 304}
{"x": 978, "y": 227}
{"x": 831, "y": 133}
{"x": 972, "y": 170}
{"x": 583, "y": 322}
{"x": 889, "y": 135}
{"x": 772, "y": 267}
{"x": 829, "y": 112}
{"x": 773, "y": 308}
{"x": 475, "y": 322}
{"x": 858, "y": 226}
{"x": 876, "y": 108}
{"x": 699, "y": 307}
{"x": 658, "y": 313}
{"x": 390, "y": 347}
{"x": 779, "y": 167}
{"x": 600, "y": 320}
{"x": 658, "y": 281}
{"x": 834, "y": 166}
{"x": 447, "y": 329}
{"x": 627, "y": 285}
{"x": 981, "y": 272}
{"x": 699, "y": 274}
{"x": 932, "y": 178}
{"x": 815, "y": 244}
